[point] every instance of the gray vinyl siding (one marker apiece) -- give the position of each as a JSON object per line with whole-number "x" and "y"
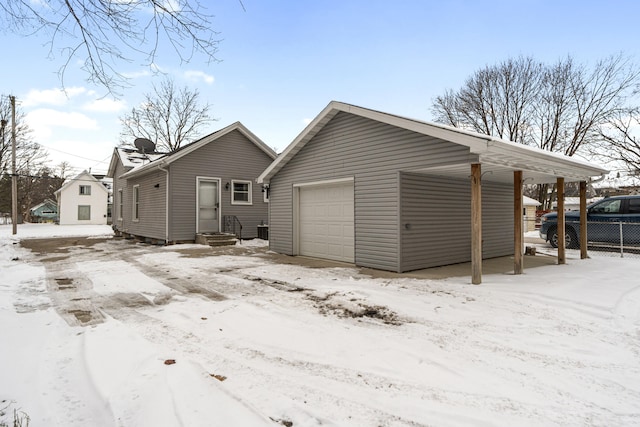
{"x": 230, "y": 157}
{"x": 372, "y": 153}
{"x": 152, "y": 206}
{"x": 497, "y": 220}
{"x": 281, "y": 216}
{"x": 436, "y": 221}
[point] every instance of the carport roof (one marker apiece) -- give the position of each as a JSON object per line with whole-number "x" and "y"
{"x": 498, "y": 157}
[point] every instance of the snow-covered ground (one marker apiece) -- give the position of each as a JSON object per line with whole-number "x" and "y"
{"x": 90, "y": 331}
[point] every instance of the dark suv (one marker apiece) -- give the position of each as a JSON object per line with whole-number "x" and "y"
{"x": 604, "y": 219}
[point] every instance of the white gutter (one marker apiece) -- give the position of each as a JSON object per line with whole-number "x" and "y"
{"x": 166, "y": 208}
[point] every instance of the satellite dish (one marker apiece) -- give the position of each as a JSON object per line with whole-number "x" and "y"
{"x": 144, "y": 145}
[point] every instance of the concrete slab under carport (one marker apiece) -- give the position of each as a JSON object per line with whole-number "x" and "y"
{"x": 500, "y": 265}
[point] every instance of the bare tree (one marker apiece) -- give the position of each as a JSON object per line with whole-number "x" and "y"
{"x": 559, "y": 107}
{"x": 63, "y": 169}
{"x": 169, "y": 116}
{"x": 30, "y": 159}
{"x": 556, "y": 108}
{"x": 34, "y": 186}
{"x": 29, "y": 154}
{"x": 622, "y": 134}
{"x": 495, "y": 100}
{"x": 104, "y": 34}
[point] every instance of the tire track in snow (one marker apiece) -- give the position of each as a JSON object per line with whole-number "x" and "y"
{"x": 74, "y": 390}
{"x": 628, "y": 307}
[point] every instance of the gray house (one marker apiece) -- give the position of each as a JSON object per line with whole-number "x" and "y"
{"x": 208, "y": 186}
{"x": 397, "y": 194}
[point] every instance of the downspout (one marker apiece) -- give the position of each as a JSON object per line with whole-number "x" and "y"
{"x": 166, "y": 208}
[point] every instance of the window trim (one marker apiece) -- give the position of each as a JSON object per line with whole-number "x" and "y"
{"x": 81, "y": 186}
{"x": 249, "y": 191}
{"x": 135, "y": 207}
{"x": 120, "y": 204}
{"x": 84, "y": 206}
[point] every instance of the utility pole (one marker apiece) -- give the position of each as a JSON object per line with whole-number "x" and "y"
{"x": 14, "y": 177}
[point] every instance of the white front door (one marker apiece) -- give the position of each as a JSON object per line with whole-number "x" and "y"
{"x": 208, "y": 206}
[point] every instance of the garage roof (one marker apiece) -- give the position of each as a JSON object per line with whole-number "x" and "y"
{"x": 499, "y": 158}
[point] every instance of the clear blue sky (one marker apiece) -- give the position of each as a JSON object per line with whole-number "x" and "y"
{"x": 284, "y": 61}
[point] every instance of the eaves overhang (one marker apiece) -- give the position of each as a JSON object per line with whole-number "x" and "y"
{"x": 498, "y": 157}
{"x": 183, "y": 151}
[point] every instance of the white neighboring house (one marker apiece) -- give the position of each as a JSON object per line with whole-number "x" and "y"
{"x": 82, "y": 200}
{"x": 529, "y": 205}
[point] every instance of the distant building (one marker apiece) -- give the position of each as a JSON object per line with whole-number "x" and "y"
{"x": 82, "y": 200}
{"x": 47, "y": 211}
{"x": 530, "y": 207}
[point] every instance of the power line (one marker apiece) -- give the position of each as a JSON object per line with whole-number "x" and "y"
{"x": 74, "y": 155}
{"x": 51, "y": 177}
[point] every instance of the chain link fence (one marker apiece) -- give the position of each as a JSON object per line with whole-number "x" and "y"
{"x": 617, "y": 238}
{"x": 604, "y": 238}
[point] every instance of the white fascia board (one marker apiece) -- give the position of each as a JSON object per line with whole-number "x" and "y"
{"x": 141, "y": 170}
{"x": 324, "y": 182}
{"x": 541, "y": 160}
{"x": 485, "y": 146}
{"x": 303, "y": 137}
{"x": 476, "y": 142}
{"x": 72, "y": 180}
{"x": 170, "y": 158}
{"x": 115, "y": 157}
{"x": 257, "y": 141}
{"x": 76, "y": 178}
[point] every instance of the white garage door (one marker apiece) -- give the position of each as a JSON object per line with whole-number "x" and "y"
{"x": 326, "y": 221}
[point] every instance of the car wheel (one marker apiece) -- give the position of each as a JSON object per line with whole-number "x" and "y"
{"x": 570, "y": 238}
{"x": 572, "y": 241}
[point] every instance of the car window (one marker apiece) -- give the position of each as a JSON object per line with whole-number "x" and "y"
{"x": 607, "y": 207}
{"x": 634, "y": 206}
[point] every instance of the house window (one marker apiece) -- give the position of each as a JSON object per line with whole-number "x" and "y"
{"x": 84, "y": 212}
{"x": 241, "y": 193}
{"x": 120, "y": 204}
{"x": 136, "y": 202}
{"x": 85, "y": 190}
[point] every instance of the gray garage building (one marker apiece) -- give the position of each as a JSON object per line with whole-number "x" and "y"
{"x": 392, "y": 193}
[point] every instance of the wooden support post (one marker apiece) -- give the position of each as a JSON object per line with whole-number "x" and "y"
{"x": 583, "y": 220}
{"x": 476, "y": 224}
{"x": 561, "y": 228}
{"x": 518, "y": 219}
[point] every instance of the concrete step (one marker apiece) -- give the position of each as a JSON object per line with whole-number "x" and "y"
{"x": 216, "y": 239}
